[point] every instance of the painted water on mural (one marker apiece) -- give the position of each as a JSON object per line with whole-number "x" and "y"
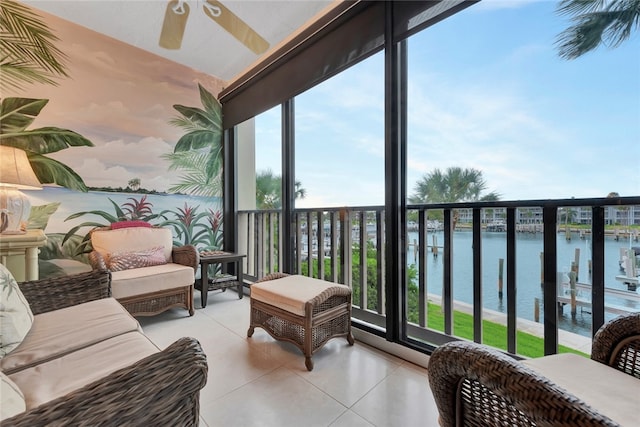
{"x": 528, "y": 272}
{"x": 72, "y": 202}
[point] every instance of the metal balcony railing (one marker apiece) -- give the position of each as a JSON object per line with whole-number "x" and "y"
{"x": 347, "y": 245}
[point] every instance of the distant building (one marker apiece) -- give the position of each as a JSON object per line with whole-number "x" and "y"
{"x": 614, "y": 215}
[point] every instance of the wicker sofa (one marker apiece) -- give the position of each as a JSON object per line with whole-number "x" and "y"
{"x": 85, "y": 361}
{"x": 474, "y": 385}
{"x": 149, "y": 274}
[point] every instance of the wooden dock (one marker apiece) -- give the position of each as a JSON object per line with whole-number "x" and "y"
{"x": 584, "y": 301}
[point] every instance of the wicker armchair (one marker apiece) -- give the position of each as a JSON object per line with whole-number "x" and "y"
{"x": 161, "y": 389}
{"x": 475, "y": 385}
{"x": 617, "y": 344}
{"x": 146, "y": 290}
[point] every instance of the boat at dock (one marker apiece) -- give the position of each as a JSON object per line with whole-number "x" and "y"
{"x": 496, "y": 226}
{"x": 630, "y": 266}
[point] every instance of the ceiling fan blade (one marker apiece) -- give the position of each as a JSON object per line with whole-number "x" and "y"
{"x": 235, "y": 26}
{"x": 175, "y": 21}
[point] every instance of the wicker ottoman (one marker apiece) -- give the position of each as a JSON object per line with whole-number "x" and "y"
{"x": 304, "y": 311}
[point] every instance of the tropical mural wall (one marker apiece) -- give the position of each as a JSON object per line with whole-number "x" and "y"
{"x": 113, "y": 132}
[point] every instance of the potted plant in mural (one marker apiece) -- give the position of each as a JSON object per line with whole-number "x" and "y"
{"x": 188, "y": 226}
{"x": 190, "y": 229}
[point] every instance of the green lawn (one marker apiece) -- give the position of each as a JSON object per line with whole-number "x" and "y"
{"x": 494, "y": 334}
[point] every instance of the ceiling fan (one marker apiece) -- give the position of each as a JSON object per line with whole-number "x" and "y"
{"x": 175, "y": 22}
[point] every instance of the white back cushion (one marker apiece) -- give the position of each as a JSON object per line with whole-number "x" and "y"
{"x": 12, "y": 398}
{"x": 132, "y": 239}
{"x": 16, "y": 317}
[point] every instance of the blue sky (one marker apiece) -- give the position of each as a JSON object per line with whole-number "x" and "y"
{"x": 487, "y": 90}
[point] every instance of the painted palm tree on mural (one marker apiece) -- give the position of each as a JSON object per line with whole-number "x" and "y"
{"x": 134, "y": 184}
{"x": 16, "y": 114}
{"x": 454, "y": 185}
{"x": 29, "y": 56}
{"x": 596, "y": 22}
{"x": 199, "y": 151}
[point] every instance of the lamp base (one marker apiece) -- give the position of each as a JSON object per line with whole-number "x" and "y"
{"x": 14, "y": 209}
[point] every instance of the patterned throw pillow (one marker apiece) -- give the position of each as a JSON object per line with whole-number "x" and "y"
{"x": 118, "y": 261}
{"x": 13, "y": 401}
{"x": 16, "y": 317}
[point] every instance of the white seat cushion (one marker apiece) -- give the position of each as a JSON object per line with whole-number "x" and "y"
{"x": 58, "y": 332}
{"x": 139, "y": 281}
{"x": 291, "y": 293}
{"x": 63, "y": 375}
{"x": 607, "y": 390}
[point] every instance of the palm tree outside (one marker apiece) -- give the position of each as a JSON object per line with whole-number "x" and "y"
{"x": 453, "y": 185}
{"x": 596, "y": 22}
{"x": 269, "y": 190}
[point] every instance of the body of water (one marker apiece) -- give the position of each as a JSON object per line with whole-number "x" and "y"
{"x": 528, "y": 272}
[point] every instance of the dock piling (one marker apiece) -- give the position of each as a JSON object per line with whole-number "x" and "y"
{"x": 500, "y": 276}
{"x": 541, "y": 268}
{"x": 434, "y": 246}
{"x": 572, "y": 284}
{"x": 415, "y": 252}
{"x": 500, "y": 270}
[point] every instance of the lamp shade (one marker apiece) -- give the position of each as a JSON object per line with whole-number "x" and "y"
{"x": 16, "y": 171}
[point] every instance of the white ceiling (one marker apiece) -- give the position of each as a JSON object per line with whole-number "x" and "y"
{"x": 206, "y": 46}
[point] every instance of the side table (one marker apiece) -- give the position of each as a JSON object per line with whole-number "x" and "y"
{"x": 223, "y": 281}
{"x": 19, "y": 253}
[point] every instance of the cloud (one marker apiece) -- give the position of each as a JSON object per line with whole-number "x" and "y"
{"x": 114, "y": 163}
{"x": 343, "y": 186}
{"x": 522, "y": 144}
{"x": 493, "y": 128}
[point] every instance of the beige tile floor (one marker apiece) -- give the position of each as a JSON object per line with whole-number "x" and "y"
{"x": 262, "y": 382}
